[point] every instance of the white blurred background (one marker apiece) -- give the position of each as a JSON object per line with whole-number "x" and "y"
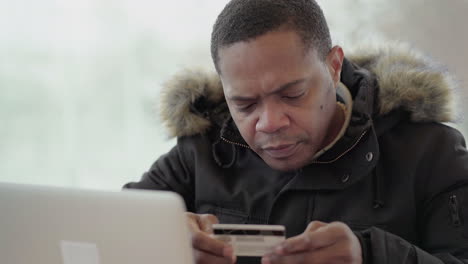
{"x": 79, "y": 79}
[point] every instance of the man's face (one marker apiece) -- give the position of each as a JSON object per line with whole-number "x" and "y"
{"x": 281, "y": 97}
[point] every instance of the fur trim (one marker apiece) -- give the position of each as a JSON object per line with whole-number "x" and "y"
{"x": 407, "y": 80}
{"x": 180, "y": 93}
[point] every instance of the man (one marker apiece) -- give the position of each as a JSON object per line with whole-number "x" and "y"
{"x": 348, "y": 153}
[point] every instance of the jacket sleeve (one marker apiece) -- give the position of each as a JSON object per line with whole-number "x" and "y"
{"x": 171, "y": 172}
{"x": 442, "y": 213}
{"x": 380, "y": 246}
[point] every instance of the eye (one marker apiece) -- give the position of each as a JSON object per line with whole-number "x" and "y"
{"x": 292, "y": 97}
{"x": 246, "y": 108}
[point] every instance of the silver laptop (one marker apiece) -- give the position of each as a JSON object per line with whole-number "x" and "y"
{"x": 49, "y": 225}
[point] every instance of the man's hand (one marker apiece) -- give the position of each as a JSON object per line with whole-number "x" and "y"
{"x": 320, "y": 243}
{"x": 206, "y": 248}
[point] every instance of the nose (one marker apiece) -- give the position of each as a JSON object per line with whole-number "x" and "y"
{"x": 272, "y": 119}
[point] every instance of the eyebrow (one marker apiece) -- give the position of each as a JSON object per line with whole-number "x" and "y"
{"x": 276, "y": 91}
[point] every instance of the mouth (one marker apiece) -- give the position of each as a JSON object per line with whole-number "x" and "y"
{"x": 281, "y": 151}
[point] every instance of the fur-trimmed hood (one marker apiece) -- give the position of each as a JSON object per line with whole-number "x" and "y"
{"x": 407, "y": 80}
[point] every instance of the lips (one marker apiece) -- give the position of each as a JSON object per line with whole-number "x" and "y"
{"x": 280, "y": 151}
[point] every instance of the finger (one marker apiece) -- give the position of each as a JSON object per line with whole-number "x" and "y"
{"x": 322, "y": 236}
{"x": 202, "y": 257}
{"x": 301, "y": 242}
{"x": 298, "y": 258}
{"x": 327, "y": 235}
{"x": 314, "y": 225}
{"x": 202, "y": 222}
{"x": 193, "y": 222}
{"x": 206, "y": 222}
{"x": 204, "y": 242}
{"x": 338, "y": 253}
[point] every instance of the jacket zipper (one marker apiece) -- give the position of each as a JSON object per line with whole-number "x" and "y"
{"x": 235, "y": 143}
{"x": 344, "y": 152}
{"x": 315, "y": 162}
{"x": 454, "y": 212}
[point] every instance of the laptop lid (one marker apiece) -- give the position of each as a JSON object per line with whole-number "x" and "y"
{"x": 68, "y": 226}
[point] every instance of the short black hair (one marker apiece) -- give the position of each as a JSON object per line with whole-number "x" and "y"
{"x": 243, "y": 20}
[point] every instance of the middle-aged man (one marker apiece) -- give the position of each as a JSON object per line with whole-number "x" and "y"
{"x": 348, "y": 153}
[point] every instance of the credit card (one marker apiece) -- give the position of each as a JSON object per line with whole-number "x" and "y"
{"x": 250, "y": 240}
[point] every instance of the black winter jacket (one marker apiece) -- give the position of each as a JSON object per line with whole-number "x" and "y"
{"x": 398, "y": 177}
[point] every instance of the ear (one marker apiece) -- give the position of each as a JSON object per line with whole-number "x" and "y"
{"x": 334, "y": 62}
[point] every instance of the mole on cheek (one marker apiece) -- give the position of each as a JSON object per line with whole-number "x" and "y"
{"x": 321, "y": 107}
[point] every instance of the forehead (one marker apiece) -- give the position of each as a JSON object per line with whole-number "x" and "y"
{"x": 266, "y": 61}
